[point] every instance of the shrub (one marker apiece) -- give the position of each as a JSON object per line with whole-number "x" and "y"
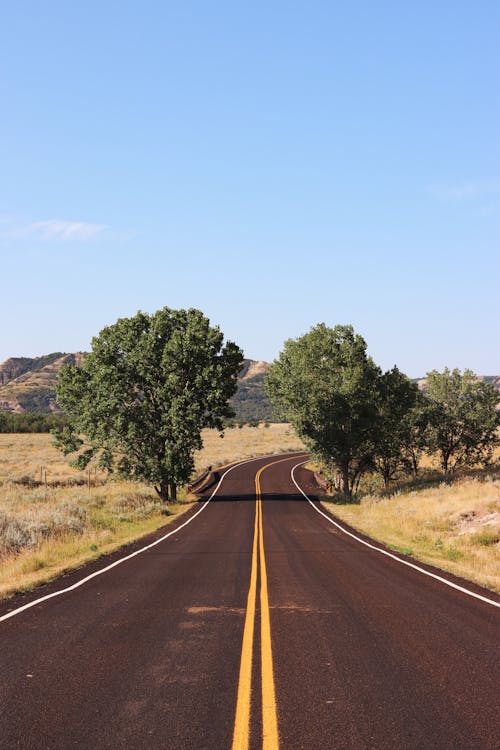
{"x": 21, "y": 532}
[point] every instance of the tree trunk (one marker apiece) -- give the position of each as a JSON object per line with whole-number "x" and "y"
{"x": 355, "y": 484}
{"x": 173, "y": 492}
{"x": 162, "y": 492}
{"x": 445, "y": 458}
{"x": 344, "y": 471}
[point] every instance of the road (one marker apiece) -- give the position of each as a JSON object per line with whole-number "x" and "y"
{"x": 257, "y": 625}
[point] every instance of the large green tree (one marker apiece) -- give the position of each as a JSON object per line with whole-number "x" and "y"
{"x": 464, "y": 418}
{"x": 142, "y": 396}
{"x": 326, "y": 385}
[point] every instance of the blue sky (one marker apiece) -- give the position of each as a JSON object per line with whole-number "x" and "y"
{"x": 274, "y": 164}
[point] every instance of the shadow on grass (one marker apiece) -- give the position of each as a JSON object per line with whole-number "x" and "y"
{"x": 432, "y": 478}
{"x": 372, "y": 484}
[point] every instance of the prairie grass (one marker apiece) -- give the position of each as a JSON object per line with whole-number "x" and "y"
{"x": 246, "y": 442}
{"x": 52, "y": 520}
{"x": 454, "y": 526}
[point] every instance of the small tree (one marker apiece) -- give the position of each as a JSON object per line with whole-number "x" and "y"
{"x": 142, "y": 396}
{"x": 326, "y": 386}
{"x": 464, "y": 418}
{"x": 398, "y": 397}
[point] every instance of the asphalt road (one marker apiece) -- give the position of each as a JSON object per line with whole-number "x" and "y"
{"x": 257, "y": 625}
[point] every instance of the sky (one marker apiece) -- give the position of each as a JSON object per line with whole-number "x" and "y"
{"x": 274, "y": 164}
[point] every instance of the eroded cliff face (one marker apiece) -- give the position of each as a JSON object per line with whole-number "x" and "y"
{"x": 28, "y": 384}
{"x": 13, "y": 367}
{"x": 253, "y": 368}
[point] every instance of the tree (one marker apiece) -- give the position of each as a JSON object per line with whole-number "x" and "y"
{"x": 326, "y": 386}
{"x": 464, "y": 418}
{"x": 397, "y": 398}
{"x": 415, "y": 435}
{"x": 140, "y": 399}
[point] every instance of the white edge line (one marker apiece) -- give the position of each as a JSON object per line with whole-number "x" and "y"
{"x": 388, "y": 554}
{"x": 132, "y": 554}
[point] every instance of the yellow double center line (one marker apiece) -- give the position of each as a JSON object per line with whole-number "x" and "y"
{"x": 241, "y": 734}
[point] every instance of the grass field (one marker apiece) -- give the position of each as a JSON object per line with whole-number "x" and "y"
{"x": 51, "y": 520}
{"x": 455, "y": 526}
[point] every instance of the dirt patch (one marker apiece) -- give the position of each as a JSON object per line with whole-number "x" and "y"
{"x": 473, "y": 521}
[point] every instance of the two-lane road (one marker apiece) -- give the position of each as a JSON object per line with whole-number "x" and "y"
{"x": 258, "y": 624}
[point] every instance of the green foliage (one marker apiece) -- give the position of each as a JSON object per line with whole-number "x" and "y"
{"x": 415, "y": 433}
{"x": 325, "y": 384}
{"x": 353, "y": 418}
{"x": 398, "y": 398}
{"x": 145, "y": 392}
{"x": 35, "y": 422}
{"x": 463, "y": 418}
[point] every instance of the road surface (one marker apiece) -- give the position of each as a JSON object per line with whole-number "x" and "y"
{"x": 257, "y": 625}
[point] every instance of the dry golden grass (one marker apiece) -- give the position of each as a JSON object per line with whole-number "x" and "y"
{"x": 453, "y": 526}
{"x": 25, "y": 455}
{"x": 46, "y": 528}
{"x": 246, "y": 442}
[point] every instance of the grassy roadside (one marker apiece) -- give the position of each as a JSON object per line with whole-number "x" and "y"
{"x": 454, "y": 526}
{"x": 52, "y": 531}
{"x": 51, "y": 521}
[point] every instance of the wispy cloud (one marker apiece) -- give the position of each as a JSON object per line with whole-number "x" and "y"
{"x": 49, "y": 229}
{"x": 465, "y": 191}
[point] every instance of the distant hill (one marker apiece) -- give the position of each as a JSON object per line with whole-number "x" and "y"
{"x": 28, "y": 385}
{"x": 251, "y": 403}
{"x": 17, "y": 366}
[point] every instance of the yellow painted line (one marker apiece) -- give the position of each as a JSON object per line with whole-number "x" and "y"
{"x": 241, "y": 733}
{"x": 270, "y": 737}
